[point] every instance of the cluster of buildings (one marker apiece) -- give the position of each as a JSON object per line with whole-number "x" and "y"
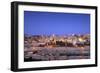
{"x": 57, "y": 41}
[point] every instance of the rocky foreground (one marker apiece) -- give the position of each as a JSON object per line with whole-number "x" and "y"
{"x": 56, "y": 53}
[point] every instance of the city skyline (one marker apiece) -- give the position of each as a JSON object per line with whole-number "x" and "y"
{"x": 47, "y": 23}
